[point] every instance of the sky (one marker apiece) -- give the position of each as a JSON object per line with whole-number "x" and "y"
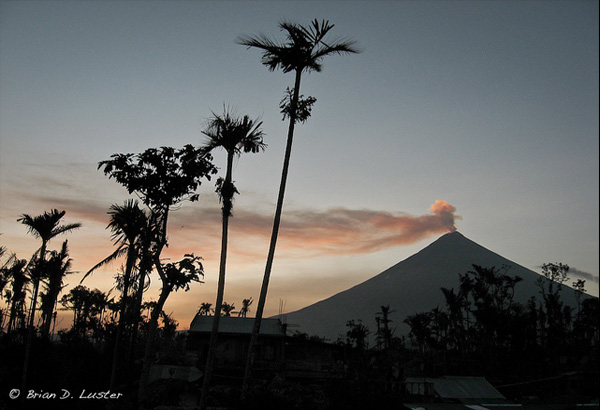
{"x": 475, "y": 116}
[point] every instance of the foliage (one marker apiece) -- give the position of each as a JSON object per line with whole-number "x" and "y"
{"x": 57, "y": 267}
{"x": 357, "y": 335}
{"x": 179, "y": 275}
{"x": 163, "y": 176}
{"x": 483, "y": 331}
{"x": 227, "y": 309}
{"x": 14, "y": 272}
{"x": 245, "y": 307}
{"x": 235, "y": 135}
{"x": 303, "y": 49}
{"x": 303, "y": 106}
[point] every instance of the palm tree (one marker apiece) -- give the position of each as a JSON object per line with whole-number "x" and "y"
{"x": 420, "y": 329}
{"x": 227, "y": 309}
{"x": 205, "y": 309}
{"x": 385, "y": 333}
{"x": 245, "y": 307}
{"x": 234, "y": 135}
{"x": 16, "y": 273}
{"x": 44, "y": 227}
{"x": 128, "y": 224}
{"x": 58, "y": 266}
{"x": 303, "y": 50}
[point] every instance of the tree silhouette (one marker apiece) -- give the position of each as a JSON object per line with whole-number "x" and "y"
{"x": 129, "y": 225}
{"x": 357, "y": 334}
{"x": 302, "y": 51}
{"x": 205, "y": 309}
{"x": 384, "y": 333}
{"x": 420, "y": 329}
{"x": 234, "y": 135}
{"x": 15, "y": 273}
{"x": 245, "y": 307}
{"x": 162, "y": 178}
{"x": 57, "y": 267}
{"x": 45, "y": 227}
{"x": 174, "y": 276}
{"x": 556, "y": 319}
{"x": 227, "y": 309}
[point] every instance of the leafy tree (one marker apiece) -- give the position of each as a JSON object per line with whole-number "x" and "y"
{"x": 579, "y": 286}
{"x": 302, "y": 51}
{"x": 234, "y": 135}
{"x": 174, "y": 276}
{"x": 556, "y": 319}
{"x": 162, "y": 178}
{"x": 357, "y": 335}
{"x": 88, "y": 308}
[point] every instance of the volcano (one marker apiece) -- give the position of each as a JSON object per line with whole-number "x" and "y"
{"x": 411, "y": 286}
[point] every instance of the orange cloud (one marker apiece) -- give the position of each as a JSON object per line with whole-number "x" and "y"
{"x": 345, "y": 231}
{"x": 336, "y": 231}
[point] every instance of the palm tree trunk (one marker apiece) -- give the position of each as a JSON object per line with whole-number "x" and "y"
{"x": 131, "y": 256}
{"x": 212, "y": 347}
{"x": 31, "y": 330}
{"x": 149, "y": 350}
{"x": 276, "y": 222}
{"x": 153, "y": 325}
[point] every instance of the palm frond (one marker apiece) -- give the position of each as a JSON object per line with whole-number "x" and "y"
{"x": 120, "y": 251}
{"x": 303, "y": 48}
{"x": 233, "y": 134}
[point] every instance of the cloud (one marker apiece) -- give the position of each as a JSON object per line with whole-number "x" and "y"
{"x": 306, "y": 232}
{"x": 583, "y": 275}
{"x": 346, "y": 231}
{"x": 341, "y": 231}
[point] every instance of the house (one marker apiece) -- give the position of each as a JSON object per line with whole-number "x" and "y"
{"x": 277, "y": 354}
{"x": 233, "y": 341}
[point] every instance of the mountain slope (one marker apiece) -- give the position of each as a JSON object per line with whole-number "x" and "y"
{"x": 410, "y": 287}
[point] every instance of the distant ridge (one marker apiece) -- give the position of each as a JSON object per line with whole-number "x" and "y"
{"x": 411, "y": 286}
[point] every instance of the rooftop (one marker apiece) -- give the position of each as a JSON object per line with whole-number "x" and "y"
{"x": 237, "y": 325}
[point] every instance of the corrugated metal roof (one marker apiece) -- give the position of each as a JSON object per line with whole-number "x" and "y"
{"x": 237, "y": 325}
{"x": 455, "y": 406}
{"x": 464, "y": 389}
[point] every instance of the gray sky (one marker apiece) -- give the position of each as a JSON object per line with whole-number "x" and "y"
{"x": 489, "y": 107}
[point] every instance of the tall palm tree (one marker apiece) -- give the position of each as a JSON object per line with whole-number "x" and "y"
{"x": 58, "y": 266}
{"x": 45, "y": 227}
{"x": 303, "y": 50}
{"x": 234, "y": 135}
{"x": 128, "y": 224}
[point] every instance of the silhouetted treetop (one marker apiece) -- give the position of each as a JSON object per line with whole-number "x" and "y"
{"x": 161, "y": 176}
{"x": 303, "y": 48}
